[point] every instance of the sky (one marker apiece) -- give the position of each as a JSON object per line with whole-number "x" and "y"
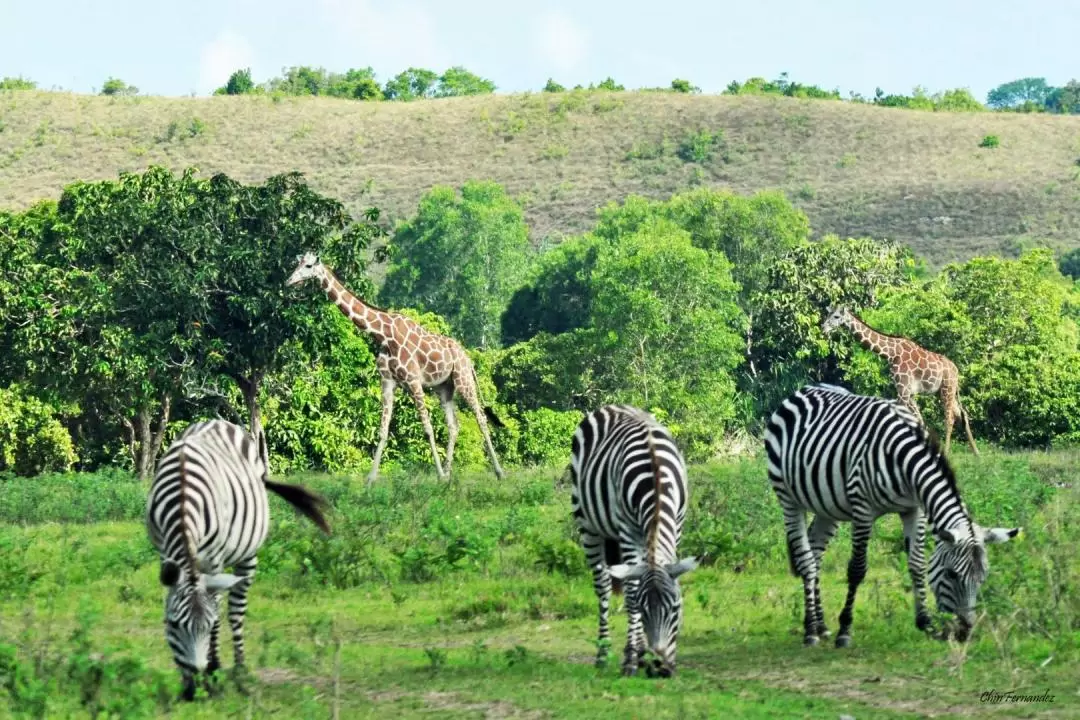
{"x": 191, "y": 47}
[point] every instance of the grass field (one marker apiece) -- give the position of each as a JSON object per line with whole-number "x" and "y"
{"x": 918, "y": 177}
{"x": 472, "y": 600}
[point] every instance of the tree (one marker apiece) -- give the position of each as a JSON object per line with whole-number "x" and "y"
{"x": 412, "y": 84}
{"x": 461, "y": 256}
{"x": 1066, "y": 99}
{"x": 116, "y": 86}
{"x": 239, "y": 83}
{"x": 958, "y": 100}
{"x": 1069, "y": 264}
{"x": 667, "y": 330}
{"x": 356, "y": 83}
{"x": 553, "y": 87}
{"x": 1019, "y": 92}
{"x": 684, "y": 86}
{"x": 457, "y": 81}
{"x": 17, "y": 83}
{"x": 610, "y": 85}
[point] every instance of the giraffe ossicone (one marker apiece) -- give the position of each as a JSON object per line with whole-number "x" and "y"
{"x": 914, "y": 369}
{"x": 414, "y": 357}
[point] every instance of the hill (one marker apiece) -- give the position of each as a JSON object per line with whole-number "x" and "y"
{"x": 918, "y": 177}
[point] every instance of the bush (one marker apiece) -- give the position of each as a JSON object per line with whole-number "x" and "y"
{"x": 553, "y": 87}
{"x": 116, "y": 86}
{"x": 32, "y": 440}
{"x": 17, "y": 83}
{"x": 990, "y": 141}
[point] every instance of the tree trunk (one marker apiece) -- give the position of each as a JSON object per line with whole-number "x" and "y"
{"x": 145, "y": 444}
{"x": 750, "y": 345}
{"x": 250, "y": 388}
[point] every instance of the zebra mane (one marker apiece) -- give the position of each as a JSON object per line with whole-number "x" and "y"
{"x": 189, "y": 544}
{"x": 941, "y": 462}
{"x": 654, "y": 523}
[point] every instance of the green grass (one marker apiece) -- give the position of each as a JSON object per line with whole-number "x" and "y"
{"x": 920, "y": 177}
{"x": 473, "y": 600}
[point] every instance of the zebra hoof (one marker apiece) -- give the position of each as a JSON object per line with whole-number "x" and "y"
{"x": 811, "y": 640}
{"x": 629, "y": 670}
{"x": 843, "y": 641}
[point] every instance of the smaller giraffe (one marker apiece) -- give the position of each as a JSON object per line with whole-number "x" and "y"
{"x": 411, "y": 356}
{"x": 914, "y": 369}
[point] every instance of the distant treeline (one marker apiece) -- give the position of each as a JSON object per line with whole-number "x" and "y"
{"x": 1030, "y": 94}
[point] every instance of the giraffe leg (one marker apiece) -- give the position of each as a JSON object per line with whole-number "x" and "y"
{"x": 467, "y": 388}
{"x": 967, "y": 428}
{"x": 908, "y": 399}
{"x": 417, "y": 392}
{"x": 446, "y": 399}
{"x": 950, "y": 415}
{"x": 388, "y": 386}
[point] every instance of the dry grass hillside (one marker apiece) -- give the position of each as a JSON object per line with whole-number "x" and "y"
{"x": 919, "y": 177}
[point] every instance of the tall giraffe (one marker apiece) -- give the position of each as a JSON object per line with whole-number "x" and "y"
{"x": 914, "y": 369}
{"x": 412, "y": 356}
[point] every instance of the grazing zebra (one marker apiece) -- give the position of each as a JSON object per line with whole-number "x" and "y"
{"x": 208, "y": 510}
{"x": 629, "y": 500}
{"x": 852, "y": 458}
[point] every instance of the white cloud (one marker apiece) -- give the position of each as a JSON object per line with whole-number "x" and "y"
{"x": 560, "y": 42}
{"x": 219, "y": 58}
{"x": 390, "y": 38}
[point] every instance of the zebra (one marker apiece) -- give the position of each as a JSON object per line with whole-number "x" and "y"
{"x": 207, "y": 510}
{"x": 853, "y": 458}
{"x": 628, "y": 497}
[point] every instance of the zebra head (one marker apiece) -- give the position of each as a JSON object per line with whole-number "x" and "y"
{"x": 191, "y": 613}
{"x": 308, "y": 266}
{"x": 959, "y": 567}
{"x": 658, "y": 597}
{"x": 837, "y": 316}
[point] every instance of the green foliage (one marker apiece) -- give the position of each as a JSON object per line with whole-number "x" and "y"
{"x": 1004, "y": 324}
{"x": 32, "y": 439}
{"x": 1065, "y": 100}
{"x": 780, "y": 86}
{"x": 356, "y": 83}
{"x": 1069, "y": 264}
{"x": 461, "y": 256}
{"x": 698, "y": 147}
{"x": 457, "y": 81}
{"x": 239, "y": 83}
{"x": 684, "y": 86}
{"x": 608, "y": 84}
{"x": 411, "y": 84}
{"x": 553, "y": 87}
{"x": 958, "y": 100}
{"x": 1017, "y": 93}
{"x": 17, "y": 83}
{"x": 116, "y": 86}
{"x": 990, "y": 141}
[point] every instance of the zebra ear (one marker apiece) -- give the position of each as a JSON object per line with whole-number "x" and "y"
{"x": 221, "y": 581}
{"x": 683, "y": 566}
{"x": 170, "y": 573}
{"x": 1000, "y": 535}
{"x": 625, "y": 572}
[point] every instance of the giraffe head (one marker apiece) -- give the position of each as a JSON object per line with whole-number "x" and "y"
{"x": 958, "y": 568}
{"x": 837, "y": 316}
{"x": 308, "y": 266}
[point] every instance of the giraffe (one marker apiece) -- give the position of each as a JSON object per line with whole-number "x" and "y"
{"x": 914, "y": 369}
{"x": 413, "y": 357}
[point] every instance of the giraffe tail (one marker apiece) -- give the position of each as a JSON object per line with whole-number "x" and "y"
{"x": 488, "y": 412}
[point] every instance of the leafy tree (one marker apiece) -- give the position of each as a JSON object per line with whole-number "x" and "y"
{"x": 780, "y": 86}
{"x": 461, "y": 256}
{"x": 667, "y": 330}
{"x": 959, "y": 100}
{"x": 358, "y": 84}
{"x": 412, "y": 84}
{"x": 458, "y": 81}
{"x": 116, "y": 86}
{"x": 553, "y": 87}
{"x": 1066, "y": 99}
{"x": 301, "y": 80}
{"x": 1019, "y": 92}
{"x": 610, "y": 85}
{"x": 1069, "y": 264}
{"x": 239, "y": 83}
{"x": 684, "y": 86}
{"x": 17, "y": 83}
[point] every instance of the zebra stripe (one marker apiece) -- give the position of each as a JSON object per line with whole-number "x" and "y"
{"x": 852, "y": 458}
{"x": 207, "y": 510}
{"x": 628, "y": 496}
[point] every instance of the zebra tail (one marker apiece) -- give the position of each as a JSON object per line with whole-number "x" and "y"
{"x": 308, "y": 503}
{"x": 612, "y": 556}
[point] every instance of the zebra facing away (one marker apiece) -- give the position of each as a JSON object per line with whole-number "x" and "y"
{"x": 208, "y": 510}
{"x": 628, "y": 495}
{"x": 853, "y": 458}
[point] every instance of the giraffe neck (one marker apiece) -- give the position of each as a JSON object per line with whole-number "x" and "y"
{"x": 369, "y": 320}
{"x": 870, "y": 338}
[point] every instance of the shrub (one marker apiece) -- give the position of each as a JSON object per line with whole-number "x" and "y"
{"x": 116, "y": 86}
{"x": 17, "y": 83}
{"x": 990, "y": 141}
{"x": 32, "y": 440}
{"x": 699, "y": 146}
{"x": 553, "y": 87}
{"x": 683, "y": 86}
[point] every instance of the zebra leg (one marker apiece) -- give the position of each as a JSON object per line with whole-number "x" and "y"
{"x": 860, "y": 536}
{"x": 635, "y": 634}
{"x": 594, "y": 555}
{"x": 214, "y": 663}
{"x": 915, "y": 546}
{"x": 245, "y": 570}
{"x": 804, "y": 565}
{"x": 821, "y": 532}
